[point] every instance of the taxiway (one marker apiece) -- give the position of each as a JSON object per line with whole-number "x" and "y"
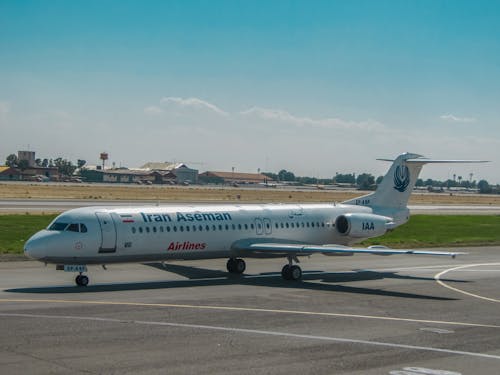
{"x": 349, "y": 315}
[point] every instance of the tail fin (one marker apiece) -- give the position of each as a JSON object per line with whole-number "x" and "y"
{"x": 394, "y": 191}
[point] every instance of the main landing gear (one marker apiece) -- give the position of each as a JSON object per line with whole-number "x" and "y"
{"x": 82, "y": 280}
{"x": 236, "y": 265}
{"x": 291, "y": 271}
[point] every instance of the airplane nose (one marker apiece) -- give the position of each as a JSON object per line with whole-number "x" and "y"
{"x": 35, "y": 247}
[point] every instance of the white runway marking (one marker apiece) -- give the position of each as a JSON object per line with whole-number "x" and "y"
{"x": 249, "y": 309}
{"x": 437, "y": 277}
{"x": 258, "y": 332}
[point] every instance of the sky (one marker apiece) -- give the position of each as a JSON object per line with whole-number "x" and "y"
{"x": 314, "y": 87}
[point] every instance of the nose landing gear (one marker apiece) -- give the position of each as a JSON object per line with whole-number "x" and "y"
{"x": 82, "y": 280}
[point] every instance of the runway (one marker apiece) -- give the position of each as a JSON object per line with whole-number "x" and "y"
{"x": 59, "y": 205}
{"x": 350, "y": 315}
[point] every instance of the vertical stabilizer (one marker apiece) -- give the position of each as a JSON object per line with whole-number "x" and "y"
{"x": 392, "y": 195}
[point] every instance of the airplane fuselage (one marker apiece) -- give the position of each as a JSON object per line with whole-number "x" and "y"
{"x": 154, "y": 233}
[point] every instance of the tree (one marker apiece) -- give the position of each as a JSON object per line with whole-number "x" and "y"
{"x": 484, "y": 187}
{"x": 65, "y": 167}
{"x": 80, "y": 163}
{"x": 23, "y": 165}
{"x": 285, "y": 175}
{"x": 11, "y": 161}
{"x": 365, "y": 181}
{"x": 38, "y": 162}
{"x": 45, "y": 163}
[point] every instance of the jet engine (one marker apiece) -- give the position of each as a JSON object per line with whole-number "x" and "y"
{"x": 362, "y": 225}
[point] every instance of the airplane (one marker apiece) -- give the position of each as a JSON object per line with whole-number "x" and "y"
{"x": 101, "y": 236}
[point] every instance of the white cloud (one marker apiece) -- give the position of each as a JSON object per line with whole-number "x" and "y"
{"x": 329, "y": 123}
{"x": 452, "y": 118}
{"x": 153, "y": 110}
{"x": 192, "y": 104}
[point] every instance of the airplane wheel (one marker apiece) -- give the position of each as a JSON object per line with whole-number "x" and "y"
{"x": 82, "y": 280}
{"x": 286, "y": 272}
{"x": 236, "y": 265}
{"x": 230, "y": 265}
{"x": 295, "y": 273}
{"x": 240, "y": 266}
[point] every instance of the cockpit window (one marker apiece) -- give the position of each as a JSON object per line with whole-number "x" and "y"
{"x": 59, "y": 226}
{"x": 73, "y": 228}
{"x": 83, "y": 228}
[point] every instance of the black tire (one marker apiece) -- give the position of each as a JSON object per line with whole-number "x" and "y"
{"x": 240, "y": 266}
{"x": 231, "y": 265}
{"x": 84, "y": 280}
{"x": 295, "y": 273}
{"x": 286, "y": 272}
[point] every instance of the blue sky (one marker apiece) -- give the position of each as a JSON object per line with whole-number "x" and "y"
{"x": 316, "y": 87}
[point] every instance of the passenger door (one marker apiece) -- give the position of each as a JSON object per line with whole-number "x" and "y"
{"x": 108, "y": 232}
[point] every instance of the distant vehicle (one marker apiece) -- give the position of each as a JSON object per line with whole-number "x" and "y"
{"x": 99, "y": 235}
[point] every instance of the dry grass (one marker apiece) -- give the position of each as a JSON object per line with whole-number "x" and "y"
{"x": 213, "y": 194}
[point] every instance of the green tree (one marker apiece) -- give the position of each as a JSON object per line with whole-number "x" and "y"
{"x": 65, "y": 167}
{"x": 365, "y": 181}
{"x": 285, "y": 175}
{"x": 484, "y": 187}
{"x": 11, "y": 161}
{"x": 23, "y": 165}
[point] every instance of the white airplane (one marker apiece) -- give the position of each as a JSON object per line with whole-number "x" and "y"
{"x": 100, "y": 235}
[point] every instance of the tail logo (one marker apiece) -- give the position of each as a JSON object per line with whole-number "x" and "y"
{"x": 401, "y": 178}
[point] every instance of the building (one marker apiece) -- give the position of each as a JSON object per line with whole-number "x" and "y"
{"x": 182, "y": 173}
{"x": 234, "y": 178}
{"x": 150, "y": 173}
{"x": 9, "y": 174}
{"x": 29, "y": 156}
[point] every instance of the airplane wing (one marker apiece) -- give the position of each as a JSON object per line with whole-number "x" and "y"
{"x": 304, "y": 249}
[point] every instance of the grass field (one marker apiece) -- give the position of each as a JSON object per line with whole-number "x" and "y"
{"x": 420, "y": 231}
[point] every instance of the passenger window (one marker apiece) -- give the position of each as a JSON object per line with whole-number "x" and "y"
{"x": 140, "y": 229}
{"x": 302, "y": 224}
{"x": 214, "y": 228}
{"x": 220, "y": 226}
{"x": 227, "y": 227}
{"x": 207, "y": 228}
{"x": 161, "y": 229}
{"x": 147, "y": 229}
{"x": 276, "y": 225}
{"x": 133, "y": 230}
{"x": 233, "y": 226}
{"x": 287, "y": 225}
{"x": 200, "y": 228}
{"x": 181, "y": 228}
{"x": 239, "y": 226}
{"x": 175, "y": 228}
{"x": 154, "y": 229}
{"x": 246, "y": 226}
{"x": 168, "y": 229}
{"x": 73, "y": 228}
{"x": 187, "y": 228}
{"x": 194, "y": 228}
{"x": 252, "y": 226}
{"x": 282, "y": 225}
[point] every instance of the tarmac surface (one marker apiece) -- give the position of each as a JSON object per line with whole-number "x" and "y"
{"x": 398, "y": 315}
{"x": 8, "y": 206}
